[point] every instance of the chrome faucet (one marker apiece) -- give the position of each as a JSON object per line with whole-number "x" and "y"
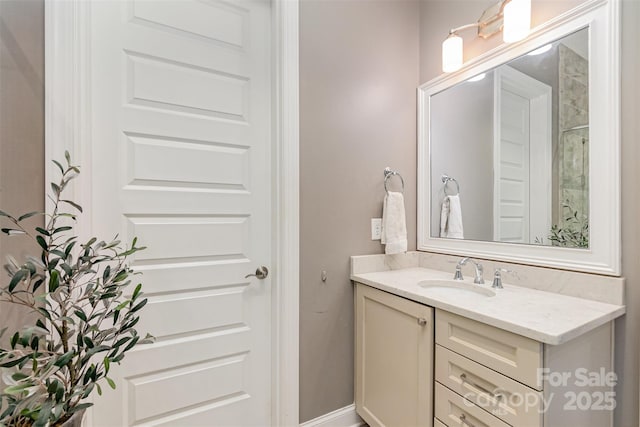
{"x": 479, "y": 270}
{"x": 497, "y": 277}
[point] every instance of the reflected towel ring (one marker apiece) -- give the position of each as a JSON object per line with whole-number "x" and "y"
{"x": 446, "y": 179}
{"x": 388, "y": 173}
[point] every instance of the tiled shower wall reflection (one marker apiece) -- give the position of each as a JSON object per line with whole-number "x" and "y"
{"x": 574, "y": 135}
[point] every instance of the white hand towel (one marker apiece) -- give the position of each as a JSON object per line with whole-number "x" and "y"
{"x": 394, "y": 224}
{"x": 451, "y": 218}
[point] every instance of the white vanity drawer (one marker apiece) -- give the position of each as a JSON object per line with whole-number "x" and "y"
{"x": 513, "y": 355}
{"x": 503, "y": 397}
{"x": 455, "y": 411}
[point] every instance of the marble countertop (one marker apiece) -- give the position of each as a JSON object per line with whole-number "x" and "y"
{"x": 547, "y": 317}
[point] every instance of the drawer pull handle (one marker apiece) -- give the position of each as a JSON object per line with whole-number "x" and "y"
{"x": 422, "y": 321}
{"x": 464, "y": 422}
{"x": 464, "y": 379}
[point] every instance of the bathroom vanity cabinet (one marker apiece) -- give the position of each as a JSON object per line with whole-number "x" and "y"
{"x": 423, "y": 366}
{"x": 394, "y": 359}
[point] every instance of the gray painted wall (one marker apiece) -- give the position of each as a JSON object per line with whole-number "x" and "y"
{"x": 21, "y": 128}
{"x": 463, "y": 149}
{"x": 358, "y": 80}
{"x": 436, "y": 18}
{"x": 627, "y": 337}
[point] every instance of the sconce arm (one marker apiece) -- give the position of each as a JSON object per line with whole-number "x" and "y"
{"x": 463, "y": 27}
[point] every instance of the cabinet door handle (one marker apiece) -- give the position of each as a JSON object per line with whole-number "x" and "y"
{"x": 422, "y": 321}
{"x": 464, "y": 422}
{"x": 464, "y": 379}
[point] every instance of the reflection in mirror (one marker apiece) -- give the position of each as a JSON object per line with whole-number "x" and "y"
{"x": 516, "y": 141}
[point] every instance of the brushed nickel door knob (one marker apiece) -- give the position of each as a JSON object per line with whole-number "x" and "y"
{"x": 261, "y": 273}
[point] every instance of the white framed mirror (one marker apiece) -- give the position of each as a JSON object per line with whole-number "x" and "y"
{"x": 519, "y": 151}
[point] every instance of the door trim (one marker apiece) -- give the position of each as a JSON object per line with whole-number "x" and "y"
{"x": 286, "y": 294}
{"x": 68, "y": 127}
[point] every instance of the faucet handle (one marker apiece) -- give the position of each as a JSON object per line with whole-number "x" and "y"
{"x": 479, "y": 280}
{"x": 458, "y": 273}
{"x": 497, "y": 277}
{"x": 506, "y": 270}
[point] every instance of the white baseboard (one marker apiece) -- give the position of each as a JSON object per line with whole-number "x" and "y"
{"x": 343, "y": 417}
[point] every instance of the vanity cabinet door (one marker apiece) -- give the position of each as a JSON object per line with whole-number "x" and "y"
{"x": 394, "y": 359}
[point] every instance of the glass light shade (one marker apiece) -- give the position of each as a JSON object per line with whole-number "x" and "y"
{"x": 541, "y": 50}
{"x": 517, "y": 20}
{"x": 477, "y": 78}
{"x": 452, "y": 53}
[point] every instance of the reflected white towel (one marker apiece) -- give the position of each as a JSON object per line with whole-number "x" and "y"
{"x": 451, "y": 218}
{"x": 394, "y": 224}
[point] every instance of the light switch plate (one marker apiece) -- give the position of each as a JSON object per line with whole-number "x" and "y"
{"x": 376, "y": 228}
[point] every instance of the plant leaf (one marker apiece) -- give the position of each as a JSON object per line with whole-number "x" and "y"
{"x": 41, "y": 324}
{"x": 19, "y": 276}
{"x": 61, "y": 229}
{"x": 13, "y": 362}
{"x": 55, "y": 188}
{"x": 29, "y": 215}
{"x": 44, "y": 312}
{"x": 44, "y": 414}
{"x": 3, "y": 213}
{"x": 19, "y": 376}
{"x": 129, "y": 346}
{"x": 112, "y": 383}
{"x": 16, "y": 389}
{"x": 57, "y": 163}
{"x": 106, "y": 273}
{"x": 42, "y": 243}
{"x": 88, "y": 342}
{"x": 74, "y": 204}
{"x": 137, "y": 291}
{"x": 12, "y": 231}
{"x": 14, "y": 339}
{"x": 139, "y": 305}
{"x": 64, "y": 359}
{"x": 81, "y": 315}
{"x": 54, "y": 280}
{"x": 80, "y": 407}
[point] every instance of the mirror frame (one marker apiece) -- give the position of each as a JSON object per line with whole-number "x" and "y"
{"x": 602, "y": 17}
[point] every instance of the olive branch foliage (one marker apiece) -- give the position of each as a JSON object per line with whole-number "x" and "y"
{"x": 80, "y": 295}
{"x": 575, "y": 233}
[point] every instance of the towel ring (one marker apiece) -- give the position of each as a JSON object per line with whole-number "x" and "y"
{"x": 446, "y": 179}
{"x": 388, "y": 173}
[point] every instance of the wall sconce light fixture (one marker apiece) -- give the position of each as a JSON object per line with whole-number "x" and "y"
{"x": 512, "y": 17}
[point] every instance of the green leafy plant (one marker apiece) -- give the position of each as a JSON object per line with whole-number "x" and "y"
{"x": 85, "y": 315}
{"x": 574, "y": 233}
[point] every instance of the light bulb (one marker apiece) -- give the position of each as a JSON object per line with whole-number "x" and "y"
{"x": 517, "y": 20}
{"x": 477, "y": 78}
{"x": 452, "y": 53}
{"x": 541, "y": 50}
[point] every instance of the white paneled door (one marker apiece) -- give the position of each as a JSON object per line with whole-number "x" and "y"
{"x": 512, "y": 169}
{"x": 522, "y": 157}
{"x": 181, "y": 137}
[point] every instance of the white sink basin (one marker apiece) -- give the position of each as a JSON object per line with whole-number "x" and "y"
{"x": 454, "y": 288}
